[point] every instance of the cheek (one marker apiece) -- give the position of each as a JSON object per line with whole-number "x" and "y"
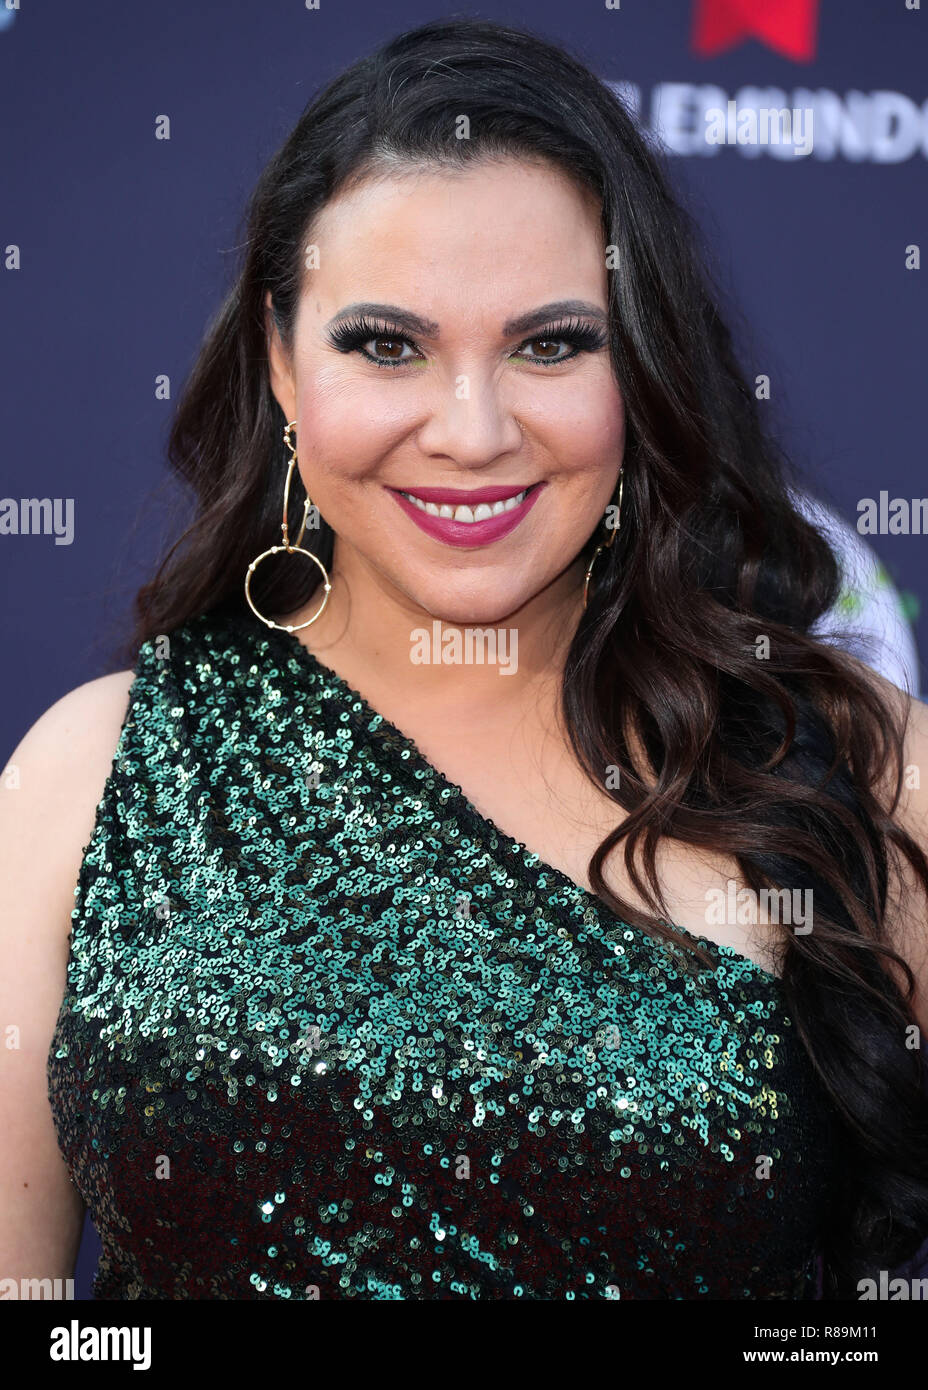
{"x": 606, "y": 417}
{"x": 583, "y": 409}
{"x": 587, "y": 436}
{"x": 589, "y": 449}
{"x": 348, "y": 425}
{"x": 604, "y": 403}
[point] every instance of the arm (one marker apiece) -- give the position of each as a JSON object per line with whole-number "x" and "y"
{"x": 48, "y": 797}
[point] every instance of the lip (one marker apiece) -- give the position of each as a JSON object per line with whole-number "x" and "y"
{"x": 467, "y": 533}
{"x": 465, "y": 497}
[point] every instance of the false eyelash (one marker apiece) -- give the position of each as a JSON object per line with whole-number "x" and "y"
{"x": 351, "y": 334}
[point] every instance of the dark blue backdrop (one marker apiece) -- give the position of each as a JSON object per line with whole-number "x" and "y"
{"x": 125, "y": 243}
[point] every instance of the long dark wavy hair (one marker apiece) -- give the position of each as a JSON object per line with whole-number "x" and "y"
{"x": 791, "y": 765}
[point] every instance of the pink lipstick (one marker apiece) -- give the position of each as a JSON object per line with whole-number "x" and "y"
{"x": 502, "y": 512}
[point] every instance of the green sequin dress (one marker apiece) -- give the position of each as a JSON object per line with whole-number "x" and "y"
{"x": 330, "y": 1033}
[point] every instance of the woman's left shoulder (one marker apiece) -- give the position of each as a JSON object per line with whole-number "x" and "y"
{"x": 908, "y": 904}
{"x": 912, "y": 810}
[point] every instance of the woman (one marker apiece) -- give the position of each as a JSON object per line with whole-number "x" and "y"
{"x": 390, "y": 978}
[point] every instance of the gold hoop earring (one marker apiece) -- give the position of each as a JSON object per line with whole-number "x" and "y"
{"x": 605, "y": 544}
{"x": 290, "y": 549}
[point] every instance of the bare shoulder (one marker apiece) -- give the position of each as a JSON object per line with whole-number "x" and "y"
{"x": 908, "y": 905}
{"x": 49, "y": 791}
{"x": 912, "y": 808}
{"x": 89, "y": 709}
{"x": 68, "y": 751}
{"x": 52, "y": 782}
{"x": 914, "y": 800}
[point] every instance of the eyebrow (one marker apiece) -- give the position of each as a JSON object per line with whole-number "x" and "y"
{"x": 427, "y": 328}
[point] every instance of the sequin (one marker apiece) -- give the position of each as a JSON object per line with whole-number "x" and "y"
{"x": 329, "y": 1033}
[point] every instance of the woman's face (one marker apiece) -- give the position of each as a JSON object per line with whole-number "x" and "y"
{"x": 477, "y": 360}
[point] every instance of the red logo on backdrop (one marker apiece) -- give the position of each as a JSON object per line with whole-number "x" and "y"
{"x": 785, "y": 25}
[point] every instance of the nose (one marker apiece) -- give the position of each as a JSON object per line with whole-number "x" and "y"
{"x": 470, "y": 424}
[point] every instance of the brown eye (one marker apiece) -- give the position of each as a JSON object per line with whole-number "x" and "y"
{"x": 387, "y": 347}
{"x": 574, "y": 338}
{"x": 545, "y": 343}
{"x": 545, "y": 350}
{"x": 375, "y": 342}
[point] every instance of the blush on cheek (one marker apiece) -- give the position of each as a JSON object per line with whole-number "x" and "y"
{"x": 349, "y": 432}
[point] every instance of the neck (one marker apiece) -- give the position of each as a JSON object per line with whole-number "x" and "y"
{"x": 369, "y": 626}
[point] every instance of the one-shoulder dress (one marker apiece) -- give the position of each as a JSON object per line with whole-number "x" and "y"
{"x": 330, "y": 1033}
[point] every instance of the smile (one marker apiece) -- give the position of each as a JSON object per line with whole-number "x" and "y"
{"x": 473, "y": 517}
{"x": 481, "y": 511}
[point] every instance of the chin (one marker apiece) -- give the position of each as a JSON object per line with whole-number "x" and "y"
{"x": 470, "y": 610}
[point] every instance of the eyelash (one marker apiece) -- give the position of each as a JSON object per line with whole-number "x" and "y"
{"x": 352, "y": 334}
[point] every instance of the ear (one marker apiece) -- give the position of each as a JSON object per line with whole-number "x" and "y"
{"x": 280, "y": 369}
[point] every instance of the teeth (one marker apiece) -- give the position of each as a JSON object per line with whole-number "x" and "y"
{"x": 481, "y": 512}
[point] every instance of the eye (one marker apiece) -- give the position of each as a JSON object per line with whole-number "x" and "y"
{"x": 545, "y": 344}
{"x": 385, "y": 346}
{"x": 385, "y": 349}
{"x": 575, "y": 336}
{"x": 380, "y": 343}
